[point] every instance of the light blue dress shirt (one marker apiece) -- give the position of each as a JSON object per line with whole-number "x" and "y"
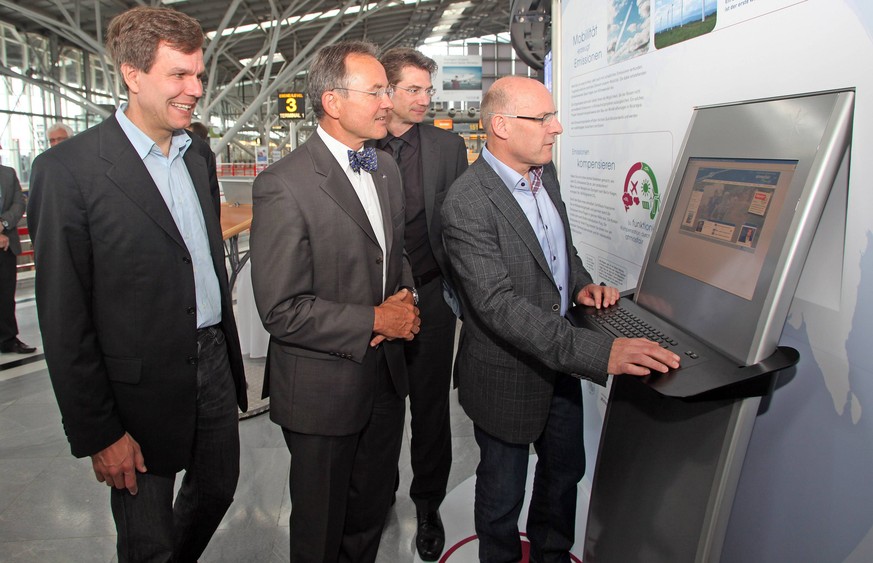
{"x": 543, "y": 217}
{"x": 174, "y": 182}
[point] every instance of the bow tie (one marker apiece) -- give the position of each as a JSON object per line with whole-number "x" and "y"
{"x": 364, "y": 160}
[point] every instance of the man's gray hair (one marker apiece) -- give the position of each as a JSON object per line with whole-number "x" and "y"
{"x": 328, "y": 70}
{"x": 58, "y": 127}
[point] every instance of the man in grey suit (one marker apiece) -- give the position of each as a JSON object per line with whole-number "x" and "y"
{"x": 133, "y": 297}
{"x": 430, "y": 159}
{"x": 508, "y": 239}
{"x": 334, "y": 289}
{"x": 11, "y": 209}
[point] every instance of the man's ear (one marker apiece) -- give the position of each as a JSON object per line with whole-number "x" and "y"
{"x": 130, "y": 75}
{"x": 331, "y": 102}
{"x": 499, "y": 125}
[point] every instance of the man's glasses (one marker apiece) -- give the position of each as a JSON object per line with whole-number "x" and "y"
{"x": 415, "y": 90}
{"x": 389, "y": 91}
{"x": 545, "y": 120}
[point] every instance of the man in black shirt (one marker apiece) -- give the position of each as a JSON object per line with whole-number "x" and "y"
{"x": 430, "y": 159}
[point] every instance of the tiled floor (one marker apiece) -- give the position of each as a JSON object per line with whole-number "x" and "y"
{"x": 53, "y": 510}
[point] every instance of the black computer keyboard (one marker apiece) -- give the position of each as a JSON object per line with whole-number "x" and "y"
{"x": 622, "y": 323}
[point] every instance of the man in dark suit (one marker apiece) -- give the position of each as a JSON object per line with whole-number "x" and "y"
{"x": 11, "y": 209}
{"x": 133, "y": 300}
{"x": 334, "y": 289}
{"x": 508, "y": 238}
{"x": 430, "y": 159}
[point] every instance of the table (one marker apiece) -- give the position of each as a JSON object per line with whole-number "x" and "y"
{"x": 234, "y": 220}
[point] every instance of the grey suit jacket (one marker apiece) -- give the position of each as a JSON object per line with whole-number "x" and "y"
{"x": 317, "y": 275}
{"x": 116, "y": 298}
{"x": 12, "y": 206}
{"x": 513, "y": 341}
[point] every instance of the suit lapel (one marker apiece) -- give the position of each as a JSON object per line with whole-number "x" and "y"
{"x": 381, "y": 182}
{"x": 430, "y": 161}
{"x": 506, "y": 204}
{"x": 199, "y": 173}
{"x": 336, "y": 184}
{"x": 131, "y": 176}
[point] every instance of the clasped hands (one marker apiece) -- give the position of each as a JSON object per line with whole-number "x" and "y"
{"x": 631, "y": 356}
{"x": 396, "y": 317}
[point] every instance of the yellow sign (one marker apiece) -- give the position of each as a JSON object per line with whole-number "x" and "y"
{"x": 444, "y": 123}
{"x": 292, "y": 105}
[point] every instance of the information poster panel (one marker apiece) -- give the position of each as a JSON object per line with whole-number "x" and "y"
{"x": 626, "y": 101}
{"x": 458, "y": 78}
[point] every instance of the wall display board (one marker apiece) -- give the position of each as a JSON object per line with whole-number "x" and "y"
{"x": 458, "y": 78}
{"x": 627, "y": 74}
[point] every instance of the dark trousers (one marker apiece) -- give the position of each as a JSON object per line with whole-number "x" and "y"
{"x": 501, "y": 477}
{"x": 341, "y": 485}
{"x": 151, "y": 527}
{"x": 429, "y": 362}
{"x": 8, "y": 273}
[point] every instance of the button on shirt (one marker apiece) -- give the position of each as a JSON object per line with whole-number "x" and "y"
{"x": 176, "y": 187}
{"x": 365, "y": 189}
{"x": 545, "y": 220}
{"x": 417, "y": 240}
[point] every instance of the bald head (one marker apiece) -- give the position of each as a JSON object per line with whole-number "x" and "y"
{"x": 518, "y": 114}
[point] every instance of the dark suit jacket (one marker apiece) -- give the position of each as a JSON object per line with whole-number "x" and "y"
{"x": 443, "y": 159}
{"x": 115, "y": 295}
{"x": 317, "y": 274}
{"x": 513, "y": 341}
{"x": 12, "y": 208}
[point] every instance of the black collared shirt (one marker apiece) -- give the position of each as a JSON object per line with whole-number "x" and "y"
{"x": 417, "y": 242}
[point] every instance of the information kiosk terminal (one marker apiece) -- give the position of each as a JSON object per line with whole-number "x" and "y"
{"x": 744, "y": 201}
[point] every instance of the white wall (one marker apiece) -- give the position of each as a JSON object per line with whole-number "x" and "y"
{"x": 806, "y": 493}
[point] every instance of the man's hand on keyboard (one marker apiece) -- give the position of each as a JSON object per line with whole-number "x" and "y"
{"x": 638, "y": 356}
{"x": 593, "y": 295}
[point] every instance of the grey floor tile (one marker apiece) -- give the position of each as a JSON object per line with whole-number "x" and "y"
{"x": 31, "y": 432}
{"x": 17, "y": 475}
{"x": 262, "y": 485}
{"x": 67, "y": 550}
{"x": 64, "y": 502}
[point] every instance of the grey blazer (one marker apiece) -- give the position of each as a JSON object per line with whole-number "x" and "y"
{"x": 317, "y": 275}
{"x": 12, "y": 207}
{"x": 513, "y": 341}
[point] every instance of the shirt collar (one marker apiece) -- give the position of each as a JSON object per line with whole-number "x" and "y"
{"x": 510, "y": 177}
{"x": 411, "y": 136}
{"x": 142, "y": 143}
{"x": 339, "y": 150}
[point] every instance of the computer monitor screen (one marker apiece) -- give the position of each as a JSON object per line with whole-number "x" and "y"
{"x": 725, "y": 220}
{"x": 739, "y": 216}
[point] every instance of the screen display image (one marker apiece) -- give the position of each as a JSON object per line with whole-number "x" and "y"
{"x": 724, "y": 221}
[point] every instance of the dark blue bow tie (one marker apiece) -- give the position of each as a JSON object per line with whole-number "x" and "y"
{"x": 364, "y": 160}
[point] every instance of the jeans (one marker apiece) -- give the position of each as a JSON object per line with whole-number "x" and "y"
{"x": 151, "y": 527}
{"x": 502, "y": 474}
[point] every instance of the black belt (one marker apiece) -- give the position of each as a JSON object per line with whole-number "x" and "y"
{"x": 426, "y": 278}
{"x": 208, "y": 330}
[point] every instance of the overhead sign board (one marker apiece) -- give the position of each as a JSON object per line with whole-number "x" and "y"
{"x": 292, "y": 105}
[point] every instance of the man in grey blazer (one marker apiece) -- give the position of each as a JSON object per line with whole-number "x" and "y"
{"x": 334, "y": 289}
{"x": 430, "y": 159}
{"x": 11, "y": 209}
{"x": 133, "y": 298}
{"x": 508, "y": 239}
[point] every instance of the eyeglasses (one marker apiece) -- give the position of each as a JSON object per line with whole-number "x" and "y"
{"x": 389, "y": 91}
{"x": 415, "y": 90}
{"x": 545, "y": 120}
